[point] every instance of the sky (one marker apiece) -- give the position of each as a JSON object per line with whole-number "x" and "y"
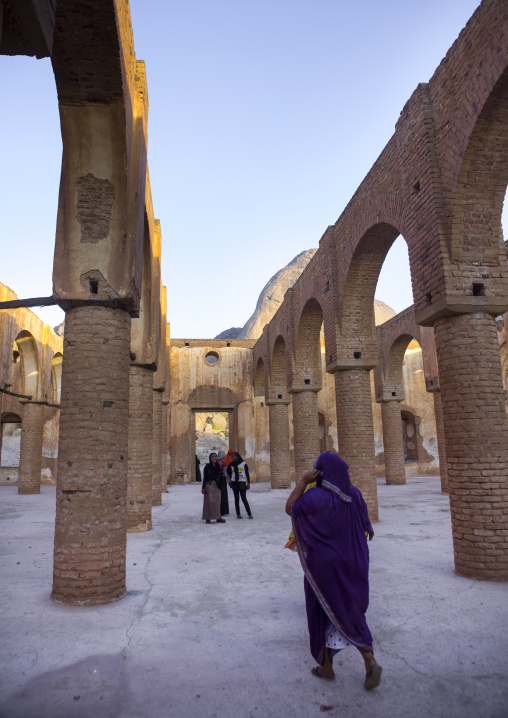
{"x": 265, "y": 115}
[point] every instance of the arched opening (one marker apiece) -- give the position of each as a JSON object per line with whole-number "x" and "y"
{"x": 211, "y": 434}
{"x": 394, "y": 282}
{"x": 11, "y": 439}
{"x": 476, "y": 234}
{"x": 27, "y": 348}
{"x": 308, "y": 345}
{"x": 358, "y": 317}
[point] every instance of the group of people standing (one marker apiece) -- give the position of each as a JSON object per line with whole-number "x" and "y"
{"x": 224, "y": 470}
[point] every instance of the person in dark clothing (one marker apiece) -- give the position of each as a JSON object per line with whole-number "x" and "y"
{"x": 198, "y": 470}
{"x": 224, "y": 501}
{"x": 212, "y": 481}
{"x": 239, "y": 480}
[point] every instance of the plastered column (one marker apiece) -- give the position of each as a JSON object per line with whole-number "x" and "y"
{"x": 90, "y": 526}
{"x": 306, "y": 430}
{"x": 139, "y": 478}
{"x": 355, "y": 431}
{"x": 443, "y": 468}
{"x": 280, "y": 457}
{"x": 395, "y": 467}
{"x": 157, "y": 449}
{"x": 476, "y": 439}
{"x": 30, "y": 458}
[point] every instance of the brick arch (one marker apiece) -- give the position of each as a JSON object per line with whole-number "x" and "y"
{"x": 259, "y": 378}
{"x": 476, "y": 233}
{"x": 357, "y": 316}
{"x": 395, "y": 359}
{"x": 278, "y": 368}
{"x": 307, "y": 368}
{"x": 30, "y": 363}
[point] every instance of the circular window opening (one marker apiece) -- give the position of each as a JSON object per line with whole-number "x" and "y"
{"x": 212, "y": 358}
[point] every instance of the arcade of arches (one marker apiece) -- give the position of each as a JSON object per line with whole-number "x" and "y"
{"x": 109, "y": 411}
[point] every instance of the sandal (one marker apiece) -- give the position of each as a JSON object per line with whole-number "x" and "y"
{"x": 221, "y": 521}
{"x": 373, "y": 678}
{"x": 315, "y": 672}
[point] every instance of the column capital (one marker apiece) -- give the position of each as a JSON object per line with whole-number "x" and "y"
{"x": 348, "y": 364}
{"x": 277, "y": 402}
{"x": 299, "y": 388}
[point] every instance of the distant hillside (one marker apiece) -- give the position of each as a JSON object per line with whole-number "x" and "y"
{"x": 272, "y": 296}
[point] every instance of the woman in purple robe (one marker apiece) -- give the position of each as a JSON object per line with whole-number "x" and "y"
{"x": 331, "y": 525}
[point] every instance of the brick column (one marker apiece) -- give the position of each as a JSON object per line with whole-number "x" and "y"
{"x": 157, "y": 449}
{"x": 476, "y": 438}
{"x": 443, "y": 468}
{"x": 139, "y": 477}
{"x": 395, "y": 466}
{"x": 30, "y": 458}
{"x": 355, "y": 431}
{"x": 90, "y": 527}
{"x": 306, "y": 430}
{"x": 280, "y": 457}
{"x": 1, "y": 431}
{"x": 164, "y": 447}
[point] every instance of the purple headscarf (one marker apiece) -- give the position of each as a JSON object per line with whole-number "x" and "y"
{"x": 329, "y": 523}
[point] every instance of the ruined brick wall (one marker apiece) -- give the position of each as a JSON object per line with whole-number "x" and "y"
{"x": 225, "y": 384}
{"x": 45, "y": 350}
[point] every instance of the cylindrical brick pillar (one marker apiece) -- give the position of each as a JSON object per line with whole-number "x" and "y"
{"x": 139, "y": 476}
{"x": 476, "y": 438}
{"x": 156, "y": 449}
{"x": 90, "y": 527}
{"x": 393, "y": 442}
{"x": 355, "y": 431}
{"x": 1, "y": 431}
{"x": 30, "y": 456}
{"x": 306, "y": 430}
{"x": 164, "y": 448}
{"x": 280, "y": 457}
{"x": 441, "y": 448}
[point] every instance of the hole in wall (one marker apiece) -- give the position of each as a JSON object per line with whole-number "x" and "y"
{"x": 212, "y": 358}
{"x": 94, "y": 286}
{"x": 478, "y": 290}
{"x": 357, "y": 355}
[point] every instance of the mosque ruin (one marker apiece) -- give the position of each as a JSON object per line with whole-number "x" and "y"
{"x": 109, "y": 410}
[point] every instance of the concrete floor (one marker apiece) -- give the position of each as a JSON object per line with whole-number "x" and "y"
{"x": 214, "y": 621}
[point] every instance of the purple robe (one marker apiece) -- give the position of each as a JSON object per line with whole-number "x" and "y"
{"x": 329, "y": 523}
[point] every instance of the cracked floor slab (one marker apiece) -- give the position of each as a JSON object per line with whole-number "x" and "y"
{"x": 213, "y": 623}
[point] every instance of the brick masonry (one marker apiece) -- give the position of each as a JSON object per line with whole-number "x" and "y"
{"x": 90, "y": 527}
{"x": 157, "y": 449}
{"x": 280, "y": 458}
{"x": 30, "y": 460}
{"x": 139, "y": 481}
{"x": 476, "y": 436}
{"x": 395, "y": 466}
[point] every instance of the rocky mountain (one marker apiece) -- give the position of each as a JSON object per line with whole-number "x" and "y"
{"x": 272, "y": 296}
{"x": 229, "y": 333}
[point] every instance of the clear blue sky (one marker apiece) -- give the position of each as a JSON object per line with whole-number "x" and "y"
{"x": 265, "y": 116}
